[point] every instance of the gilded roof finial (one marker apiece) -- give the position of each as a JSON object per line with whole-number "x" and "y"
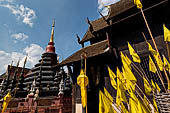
{"x": 52, "y": 32}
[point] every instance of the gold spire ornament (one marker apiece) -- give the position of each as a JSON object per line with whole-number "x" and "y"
{"x": 52, "y": 32}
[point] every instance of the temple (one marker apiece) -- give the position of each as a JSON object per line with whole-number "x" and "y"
{"x": 108, "y": 36}
{"x": 42, "y": 89}
{"x": 48, "y": 88}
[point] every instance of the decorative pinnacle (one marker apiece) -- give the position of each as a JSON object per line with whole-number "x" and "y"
{"x": 52, "y": 32}
{"x": 53, "y": 23}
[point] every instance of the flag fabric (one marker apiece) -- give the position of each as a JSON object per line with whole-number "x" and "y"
{"x": 120, "y": 96}
{"x": 120, "y": 77}
{"x": 152, "y": 66}
{"x": 112, "y": 78}
{"x": 159, "y": 61}
{"x": 134, "y": 55}
{"x": 166, "y": 63}
{"x": 111, "y": 72}
{"x": 154, "y": 103}
{"x": 105, "y": 105}
{"x": 153, "y": 85}
{"x": 128, "y": 83}
{"x": 136, "y": 106}
{"x": 169, "y": 86}
{"x": 138, "y": 3}
{"x": 125, "y": 60}
{"x": 82, "y": 81}
{"x": 157, "y": 87}
{"x": 147, "y": 87}
{"x": 129, "y": 75}
{"x": 156, "y": 56}
{"x": 166, "y": 33}
{"x": 145, "y": 101}
{"x": 130, "y": 80}
{"x": 133, "y": 103}
{"x": 6, "y": 99}
{"x": 128, "y": 60}
{"x": 142, "y": 108}
{"x": 107, "y": 94}
{"x": 151, "y": 49}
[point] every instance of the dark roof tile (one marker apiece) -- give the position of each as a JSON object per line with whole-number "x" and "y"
{"x": 92, "y": 50}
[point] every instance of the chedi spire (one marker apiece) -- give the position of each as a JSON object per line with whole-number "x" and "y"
{"x": 50, "y": 48}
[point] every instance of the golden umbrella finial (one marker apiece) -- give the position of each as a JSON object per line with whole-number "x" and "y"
{"x": 52, "y": 32}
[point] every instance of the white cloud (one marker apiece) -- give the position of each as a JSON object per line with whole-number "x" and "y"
{"x": 10, "y": 1}
{"x": 33, "y": 51}
{"x": 19, "y": 37}
{"x": 23, "y": 13}
{"x": 102, "y": 3}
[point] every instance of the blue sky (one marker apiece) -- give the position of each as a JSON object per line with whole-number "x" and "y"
{"x": 25, "y": 27}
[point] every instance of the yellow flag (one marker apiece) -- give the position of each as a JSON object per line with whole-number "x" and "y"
{"x": 129, "y": 82}
{"x": 128, "y": 60}
{"x": 107, "y": 94}
{"x": 111, "y": 72}
{"x": 151, "y": 49}
{"x": 105, "y": 105}
{"x": 112, "y": 78}
{"x": 168, "y": 86}
{"x": 142, "y": 108}
{"x": 154, "y": 103}
{"x": 157, "y": 87}
{"x": 145, "y": 101}
{"x": 166, "y": 33}
{"x": 120, "y": 76}
{"x": 166, "y": 63}
{"x": 159, "y": 61}
{"x": 82, "y": 81}
{"x": 6, "y": 99}
{"x": 125, "y": 60}
{"x": 152, "y": 66}
{"x": 138, "y": 3}
{"x": 153, "y": 85}
{"x": 147, "y": 87}
{"x": 156, "y": 56}
{"x": 134, "y": 55}
{"x": 133, "y": 103}
{"x": 129, "y": 75}
{"x": 120, "y": 96}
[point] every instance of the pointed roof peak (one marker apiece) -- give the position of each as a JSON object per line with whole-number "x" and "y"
{"x": 52, "y": 32}
{"x": 53, "y": 23}
{"x": 50, "y": 47}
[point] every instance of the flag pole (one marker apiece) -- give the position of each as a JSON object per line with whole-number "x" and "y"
{"x": 166, "y": 75}
{"x": 84, "y": 55}
{"x": 145, "y": 96}
{"x": 158, "y": 72}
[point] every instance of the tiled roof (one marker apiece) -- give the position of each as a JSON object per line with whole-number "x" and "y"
{"x": 92, "y": 50}
{"x": 120, "y": 7}
{"x": 120, "y": 10}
